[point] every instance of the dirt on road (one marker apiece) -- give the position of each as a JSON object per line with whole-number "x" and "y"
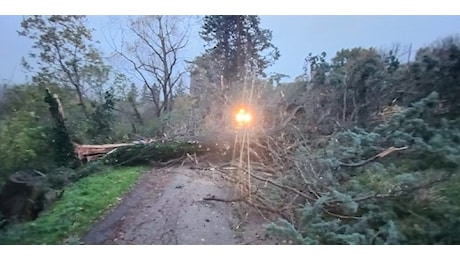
{"x": 166, "y": 207}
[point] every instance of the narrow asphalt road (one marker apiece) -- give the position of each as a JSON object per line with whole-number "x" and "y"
{"x": 166, "y": 207}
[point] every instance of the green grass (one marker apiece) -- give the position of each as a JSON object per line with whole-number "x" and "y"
{"x": 72, "y": 216}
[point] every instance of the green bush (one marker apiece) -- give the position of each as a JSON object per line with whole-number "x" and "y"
{"x": 24, "y": 144}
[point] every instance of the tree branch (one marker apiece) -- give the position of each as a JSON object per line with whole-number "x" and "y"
{"x": 375, "y": 157}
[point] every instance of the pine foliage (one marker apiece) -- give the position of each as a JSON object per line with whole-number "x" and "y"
{"x": 406, "y": 197}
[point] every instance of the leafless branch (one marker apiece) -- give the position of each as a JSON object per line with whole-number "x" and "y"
{"x": 154, "y": 56}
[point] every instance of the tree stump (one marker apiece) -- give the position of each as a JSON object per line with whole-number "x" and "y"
{"x": 21, "y": 197}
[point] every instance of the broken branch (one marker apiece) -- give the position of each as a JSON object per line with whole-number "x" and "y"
{"x": 375, "y": 157}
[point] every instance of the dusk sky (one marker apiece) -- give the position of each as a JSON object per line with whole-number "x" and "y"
{"x": 295, "y": 37}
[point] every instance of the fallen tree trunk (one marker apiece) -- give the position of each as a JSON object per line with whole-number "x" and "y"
{"x": 160, "y": 151}
{"x": 89, "y": 152}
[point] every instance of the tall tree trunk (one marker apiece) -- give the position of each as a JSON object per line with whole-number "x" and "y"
{"x": 344, "y": 112}
{"x": 239, "y": 53}
{"x": 136, "y": 112}
{"x": 82, "y": 103}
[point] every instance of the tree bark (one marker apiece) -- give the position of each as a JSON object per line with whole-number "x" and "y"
{"x": 161, "y": 151}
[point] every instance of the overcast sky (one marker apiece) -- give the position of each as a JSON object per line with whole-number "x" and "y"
{"x": 295, "y": 37}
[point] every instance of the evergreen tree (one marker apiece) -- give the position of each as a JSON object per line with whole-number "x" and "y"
{"x": 238, "y": 45}
{"x": 402, "y": 198}
{"x": 60, "y": 137}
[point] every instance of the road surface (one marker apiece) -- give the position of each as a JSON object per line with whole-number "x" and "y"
{"x": 166, "y": 207}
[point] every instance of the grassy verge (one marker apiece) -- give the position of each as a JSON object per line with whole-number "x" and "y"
{"x": 73, "y": 215}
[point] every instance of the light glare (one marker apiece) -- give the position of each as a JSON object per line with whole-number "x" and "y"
{"x": 243, "y": 117}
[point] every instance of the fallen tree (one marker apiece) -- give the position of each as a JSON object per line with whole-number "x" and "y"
{"x": 164, "y": 150}
{"x": 128, "y": 153}
{"x": 89, "y": 152}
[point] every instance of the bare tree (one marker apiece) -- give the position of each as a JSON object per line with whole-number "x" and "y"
{"x": 155, "y": 55}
